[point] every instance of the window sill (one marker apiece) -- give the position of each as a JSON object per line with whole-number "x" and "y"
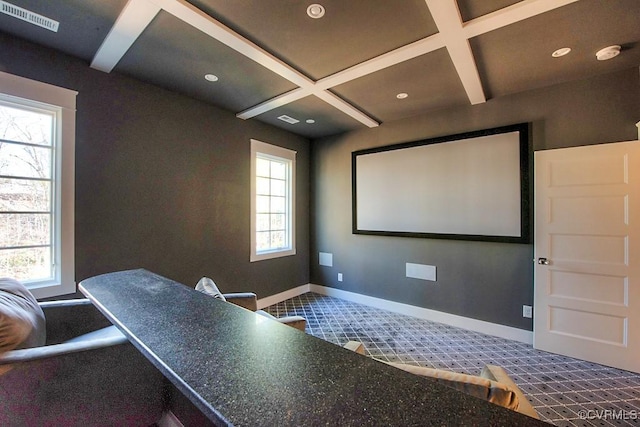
{"x": 271, "y": 255}
{"x": 51, "y": 288}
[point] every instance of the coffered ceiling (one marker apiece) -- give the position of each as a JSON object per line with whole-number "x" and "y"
{"x": 342, "y": 71}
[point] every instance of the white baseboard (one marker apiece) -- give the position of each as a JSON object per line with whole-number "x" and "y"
{"x": 169, "y": 420}
{"x": 282, "y": 296}
{"x": 481, "y": 326}
{"x": 488, "y": 328}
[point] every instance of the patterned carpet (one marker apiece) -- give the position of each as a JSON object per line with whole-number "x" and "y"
{"x": 564, "y": 391}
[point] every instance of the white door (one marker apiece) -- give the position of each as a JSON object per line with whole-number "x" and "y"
{"x": 587, "y": 253}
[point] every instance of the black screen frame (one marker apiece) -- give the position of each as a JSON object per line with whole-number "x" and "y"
{"x": 524, "y": 130}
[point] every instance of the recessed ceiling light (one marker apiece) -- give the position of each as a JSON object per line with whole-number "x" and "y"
{"x": 402, "y": 95}
{"x": 561, "y": 52}
{"x": 211, "y": 77}
{"x": 310, "y": 121}
{"x": 315, "y": 11}
{"x": 608, "y": 52}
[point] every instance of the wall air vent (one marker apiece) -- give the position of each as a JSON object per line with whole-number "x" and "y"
{"x": 28, "y": 16}
{"x": 288, "y": 119}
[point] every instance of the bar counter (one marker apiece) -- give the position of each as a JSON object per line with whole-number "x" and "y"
{"x": 240, "y": 368}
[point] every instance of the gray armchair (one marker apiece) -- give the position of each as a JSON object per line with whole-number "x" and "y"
{"x": 87, "y": 373}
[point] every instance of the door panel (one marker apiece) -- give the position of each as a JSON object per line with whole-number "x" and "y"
{"x": 605, "y": 213}
{"x": 596, "y": 288}
{"x": 587, "y": 295}
{"x": 590, "y": 170}
{"x": 611, "y": 250}
{"x": 588, "y": 325}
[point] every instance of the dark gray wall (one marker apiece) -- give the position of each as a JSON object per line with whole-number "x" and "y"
{"x": 162, "y": 180}
{"x": 480, "y": 280}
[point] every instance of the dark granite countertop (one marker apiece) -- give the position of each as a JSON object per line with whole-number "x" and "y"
{"x": 240, "y": 368}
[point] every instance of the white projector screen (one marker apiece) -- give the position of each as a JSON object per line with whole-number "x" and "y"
{"x": 472, "y": 186}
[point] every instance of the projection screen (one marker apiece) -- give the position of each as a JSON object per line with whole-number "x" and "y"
{"x": 472, "y": 186}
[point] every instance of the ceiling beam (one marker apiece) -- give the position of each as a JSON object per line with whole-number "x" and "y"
{"x": 138, "y": 14}
{"x": 225, "y": 35}
{"x": 449, "y": 22}
{"x": 401, "y": 54}
{"x": 346, "y": 108}
{"x": 210, "y": 26}
{"x": 410, "y": 51}
{"x": 456, "y": 43}
{"x": 273, "y": 103}
{"x": 510, "y": 15}
{"x": 133, "y": 20}
{"x": 453, "y": 34}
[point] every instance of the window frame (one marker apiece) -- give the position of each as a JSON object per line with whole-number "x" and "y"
{"x": 62, "y": 102}
{"x": 273, "y": 152}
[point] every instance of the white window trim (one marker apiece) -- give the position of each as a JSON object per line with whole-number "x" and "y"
{"x": 65, "y": 102}
{"x": 284, "y": 153}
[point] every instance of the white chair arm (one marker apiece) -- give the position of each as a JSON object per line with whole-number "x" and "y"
{"x": 97, "y": 339}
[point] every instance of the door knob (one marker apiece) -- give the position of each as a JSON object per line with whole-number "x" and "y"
{"x": 543, "y": 261}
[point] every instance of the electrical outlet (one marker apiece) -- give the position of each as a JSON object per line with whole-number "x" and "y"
{"x": 339, "y": 277}
{"x": 527, "y": 311}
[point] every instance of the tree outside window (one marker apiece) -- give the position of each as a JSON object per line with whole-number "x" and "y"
{"x": 26, "y": 192}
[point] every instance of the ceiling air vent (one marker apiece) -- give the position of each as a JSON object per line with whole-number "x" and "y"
{"x": 28, "y": 16}
{"x": 288, "y": 119}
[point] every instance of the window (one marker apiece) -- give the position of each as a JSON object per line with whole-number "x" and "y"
{"x": 272, "y": 201}
{"x": 37, "y": 138}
